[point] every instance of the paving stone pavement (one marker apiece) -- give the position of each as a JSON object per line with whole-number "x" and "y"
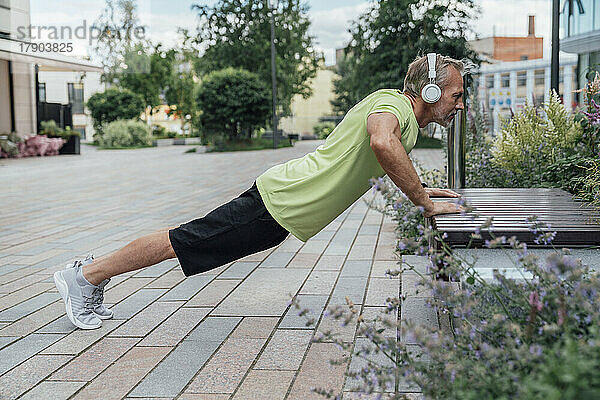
{"x": 227, "y": 333}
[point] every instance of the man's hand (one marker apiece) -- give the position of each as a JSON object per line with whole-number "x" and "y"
{"x": 443, "y": 207}
{"x": 434, "y": 192}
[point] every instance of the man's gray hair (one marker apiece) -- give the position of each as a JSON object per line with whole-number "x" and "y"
{"x": 417, "y": 75}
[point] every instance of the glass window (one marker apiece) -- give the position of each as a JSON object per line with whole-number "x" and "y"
{"x": 489, "y": 81}
{"x": 522, "y": 78}
{"x": 596, "y": 15}
{"x": 42, "y": 91}
{"x": 539, "y": 77}
{"x": 586, "y": 19}
{"x": 505, "y": 80}
{"x": 76, "y": 97}
{"x": 523, "y": 58}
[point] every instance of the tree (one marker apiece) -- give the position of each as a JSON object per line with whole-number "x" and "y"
{"x": 391, "y": 34}
{"x": 182, "y": 88}
{"x": 238, "y": 35}
{"x": 119, "y": 33}
{"x": 147, "y": 83}
{"x": 114, "y": 104}
{"x": 234, "y": 102}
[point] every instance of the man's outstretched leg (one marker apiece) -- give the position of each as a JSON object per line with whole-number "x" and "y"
{"x": 236, "y": 229}
{"x": 82, "y": 286}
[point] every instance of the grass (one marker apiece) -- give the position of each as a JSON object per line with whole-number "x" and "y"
{"x": 247, "y": 145}
{"x": 173, "y": 137}
{"x": 116, "y": 148}
{"x": 424, "y": 142}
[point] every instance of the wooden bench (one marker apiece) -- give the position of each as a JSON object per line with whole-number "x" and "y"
{"x": 576, "y": 223}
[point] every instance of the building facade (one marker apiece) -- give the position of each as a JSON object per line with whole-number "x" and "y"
{"x": 507, "y": 86}
{"x": 73, "y": 88}
{"x": 20, "y": 69}
{"x": 510, "y": 48}
{"x": 580, "y": 34}
{"x": 306, "y": 113}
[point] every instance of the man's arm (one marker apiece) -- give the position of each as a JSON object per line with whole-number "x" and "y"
{"x": 385, "y": 133}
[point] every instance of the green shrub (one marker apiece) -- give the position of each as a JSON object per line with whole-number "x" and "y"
{"x": 531, "y": 140}
{"x": 323, "y": 129}
{"x": 51, "y": 129}
{"x": 234, "y": 102}
{"x": 532, "y": 151}
{"x": 125, "y": 133}
{"x": 9, "y": 143}
{"x": 589, "y": 183}
{"x": 114, "y": 104}
{"x": 160, "y": 132}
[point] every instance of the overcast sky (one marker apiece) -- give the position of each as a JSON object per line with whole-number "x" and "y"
{"x": 330, "y": 18}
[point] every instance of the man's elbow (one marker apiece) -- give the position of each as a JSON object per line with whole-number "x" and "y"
{"x": 379, "y": 143}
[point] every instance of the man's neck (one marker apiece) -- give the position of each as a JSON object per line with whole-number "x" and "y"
{"x": 422, "y": 112}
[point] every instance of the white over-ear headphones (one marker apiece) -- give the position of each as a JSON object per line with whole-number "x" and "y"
{"x": 431, "y": 92}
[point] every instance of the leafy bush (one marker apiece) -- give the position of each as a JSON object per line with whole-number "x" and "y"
{"x": 51, "y": 129}
{"x": 9, "y": 145}
{"x": 323, "y": 129}
{"x": 234, "y": 103}
{"x": 125, "y": 133}
{"x": 589, "y": 117}
{"x": 533, "y": 151}
{"x": 160, "y": 132}
{"x": 537, "y": 337}
{"x": 531, "y": 140}
{"x": 114, "y": 104}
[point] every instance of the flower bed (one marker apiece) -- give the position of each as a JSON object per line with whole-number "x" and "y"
{"x": 36, "y": 145}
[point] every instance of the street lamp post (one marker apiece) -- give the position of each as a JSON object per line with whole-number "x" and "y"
{"x": 272, "y": 8}
{"x": 554, "y": 63}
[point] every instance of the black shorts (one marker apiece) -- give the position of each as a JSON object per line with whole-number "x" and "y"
{"x": 236, "y": 229}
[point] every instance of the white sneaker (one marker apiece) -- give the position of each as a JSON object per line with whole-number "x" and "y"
{"x": 100, "y": 309}
{"x": 78, "y": 295}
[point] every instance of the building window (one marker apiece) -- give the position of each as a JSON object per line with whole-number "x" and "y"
{"x": 505, "y": 80}
{"x": 76, "y": 97}
{"x": 539, "y": 77}
{"x": 522, "y": 78}
{"x": 489, "y": 81}
{"x": 523, "y": 58}
{"x": 42, "y": 91}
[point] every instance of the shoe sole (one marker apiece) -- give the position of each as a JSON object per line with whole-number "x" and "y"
{"x": 63, "y": 289}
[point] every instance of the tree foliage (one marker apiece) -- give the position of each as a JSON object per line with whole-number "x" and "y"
{"x": 114, "y": 104}
{"x": 238, "y": 34}
{"x": 147, "y": 82}
{"x": 390, "y": 35}
{"x": 234, "y": 102}
{"x": 120, "y": 32}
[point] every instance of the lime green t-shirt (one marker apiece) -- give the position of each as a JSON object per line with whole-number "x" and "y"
{"x": 305, "y": 194}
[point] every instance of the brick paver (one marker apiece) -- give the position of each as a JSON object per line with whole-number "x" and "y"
{"x": 229, "y": 333}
